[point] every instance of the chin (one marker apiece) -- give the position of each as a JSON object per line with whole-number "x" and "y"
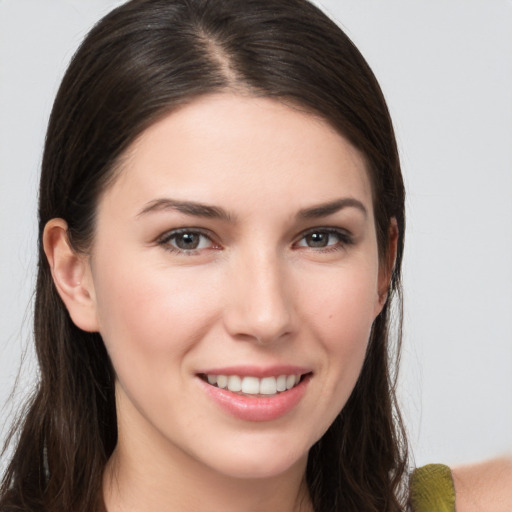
{"x": 258, "y": 463}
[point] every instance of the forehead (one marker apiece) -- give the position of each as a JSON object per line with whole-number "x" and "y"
{"x": 225, "y": 146}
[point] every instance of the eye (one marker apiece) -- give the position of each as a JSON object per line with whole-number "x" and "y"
{"x": 324, "y": 238}
{"x": 186, "y": 241}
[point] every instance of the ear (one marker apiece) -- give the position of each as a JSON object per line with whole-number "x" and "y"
{"x": 387, "y": 265}
{"x": 71, "y": 274}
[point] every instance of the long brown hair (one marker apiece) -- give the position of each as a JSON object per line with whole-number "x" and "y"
{"x": 139, "y": 63}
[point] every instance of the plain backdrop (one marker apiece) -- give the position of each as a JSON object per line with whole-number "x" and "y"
{"x": 446, "y": 69}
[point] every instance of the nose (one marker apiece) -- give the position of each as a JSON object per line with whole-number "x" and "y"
{"x": 260, "y": 305}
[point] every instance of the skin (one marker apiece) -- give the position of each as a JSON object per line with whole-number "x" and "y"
{"x": 484, "y": 486}
{"x": 256, "y": 291}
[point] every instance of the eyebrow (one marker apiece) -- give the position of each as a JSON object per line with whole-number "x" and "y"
{"x": 188, "y": 208}
{"x": 326, "y": 209}
{"x": 215, "y": 212}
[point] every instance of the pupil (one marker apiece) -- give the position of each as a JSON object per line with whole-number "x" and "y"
{"x": 188, "y": 241}
{"x": 318, "y": 239}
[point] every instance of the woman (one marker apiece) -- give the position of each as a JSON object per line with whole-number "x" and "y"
{"x": 221, "y": 226}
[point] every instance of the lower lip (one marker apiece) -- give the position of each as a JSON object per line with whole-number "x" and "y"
{"x": 257, "y": 408}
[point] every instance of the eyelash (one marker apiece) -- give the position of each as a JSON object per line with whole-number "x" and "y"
{"x": 165, "y": 240}
{"x": 344, "y": 239}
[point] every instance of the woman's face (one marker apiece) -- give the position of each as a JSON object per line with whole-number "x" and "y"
{"x": 236, "y": 248}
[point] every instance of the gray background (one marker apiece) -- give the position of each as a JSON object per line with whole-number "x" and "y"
{"x": 446, "y": 69}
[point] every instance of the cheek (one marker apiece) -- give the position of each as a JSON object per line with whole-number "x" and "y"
{"x": 343, "y": 305}
{"x": 341, "y": 315}
{"x": 152, "y": 314}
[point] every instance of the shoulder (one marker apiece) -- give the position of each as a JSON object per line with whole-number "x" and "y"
{"x": 484, "y": 486}
{"x": 431, "y": 488}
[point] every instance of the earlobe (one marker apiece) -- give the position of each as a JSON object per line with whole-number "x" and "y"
{"x": 71, "y": 275}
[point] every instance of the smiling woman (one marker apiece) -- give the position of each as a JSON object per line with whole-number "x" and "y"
{"x": 221, "y": 225}
{"x": 265, "y": 292}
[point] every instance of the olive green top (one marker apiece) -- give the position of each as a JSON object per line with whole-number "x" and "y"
{"x": 432, "y": 489}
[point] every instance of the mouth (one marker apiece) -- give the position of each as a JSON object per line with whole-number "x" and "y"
{"x": 254, "y": 386}
{"x": 256, "y": 394}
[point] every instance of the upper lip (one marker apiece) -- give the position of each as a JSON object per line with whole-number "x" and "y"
{"x": 256, "y": 371}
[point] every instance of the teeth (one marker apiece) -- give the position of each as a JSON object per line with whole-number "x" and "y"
{"x": 268, "y": 386}
{"x": 234, "y": 383}
{"x": 253, "y": 385}
{"x": 222, "y": 381}
{"x": 290, "y": 381}
{"x": 281, "y": 383}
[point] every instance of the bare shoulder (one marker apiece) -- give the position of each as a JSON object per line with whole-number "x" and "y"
{"x": 486, "y": 486}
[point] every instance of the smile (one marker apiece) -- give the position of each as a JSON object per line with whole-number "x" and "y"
{"x": 240, "y": 393}
{"x": 250, "y": 385}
